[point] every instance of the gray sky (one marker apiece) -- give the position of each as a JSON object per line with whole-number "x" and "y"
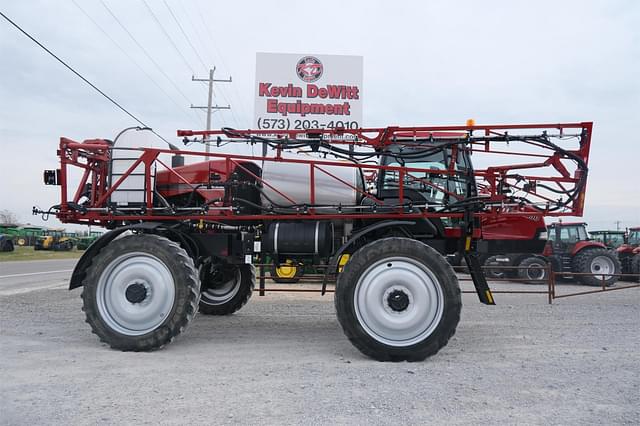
{"x": 425, "y": 62}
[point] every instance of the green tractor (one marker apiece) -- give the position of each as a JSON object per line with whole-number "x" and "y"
{"x": 83, "y": 243}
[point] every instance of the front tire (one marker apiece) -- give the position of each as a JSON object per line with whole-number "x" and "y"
{"x": 397, "y": 299}
{"x": 597, "y": 261}
{"x": 140, "y": 292}
{"x": 225, "y": 288}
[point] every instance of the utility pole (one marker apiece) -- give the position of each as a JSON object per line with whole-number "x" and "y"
{"x": 617, "y": 222}
{"x": 210, "y": 107}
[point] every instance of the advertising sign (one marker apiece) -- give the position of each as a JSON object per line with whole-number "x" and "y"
{"x": 306, "y": 91}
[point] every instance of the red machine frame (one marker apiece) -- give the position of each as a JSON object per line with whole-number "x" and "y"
{"x": 93, "y": 156}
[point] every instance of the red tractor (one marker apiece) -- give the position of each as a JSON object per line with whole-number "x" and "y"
{"x": 186, "y": 226}
{"x": 629, "y": 253}
{"x": 520, "y": 230}
{"x": 571, "y": 252}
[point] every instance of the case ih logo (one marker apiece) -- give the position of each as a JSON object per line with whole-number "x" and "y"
{"x": 309, "y": 69}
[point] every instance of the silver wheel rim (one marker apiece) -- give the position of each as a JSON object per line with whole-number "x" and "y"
{"x": 423, "y": 294}
{"x": 602, "y": 265}
{"x": 535, "y": 271}
{"x": 224, "y": 292}
{"x": 135, "y": 269}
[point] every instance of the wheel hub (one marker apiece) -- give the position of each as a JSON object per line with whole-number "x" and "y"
{"x": 602, "y": 265}
{"x": 136, "y": 293}
{"x": 398, "y": 300}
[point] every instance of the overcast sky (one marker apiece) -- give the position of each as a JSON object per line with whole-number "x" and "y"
{"x": 425, "y": 62}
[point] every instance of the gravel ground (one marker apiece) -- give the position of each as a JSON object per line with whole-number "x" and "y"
{"x": 284, "y": 360}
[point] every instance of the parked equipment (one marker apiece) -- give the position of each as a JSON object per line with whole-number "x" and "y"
{"x": 611, "y": 239}
{"x": 395, "y": 200}
{"x": 6, "y": 243}
{"x": 629, "y": 253}
{"x": 287, "y": 271}
{"x": 572, "y": 253}
{"x": 53, "y": 240}
{"x": 83, "y": 243}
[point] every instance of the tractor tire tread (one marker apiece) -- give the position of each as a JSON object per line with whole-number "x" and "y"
{"x": 582, "y": 261}
{"x": 167, "y": 332}
{"x": 523, "y": 271}
{"x": 239, "y": 300}
{"x": 346, "y": 315}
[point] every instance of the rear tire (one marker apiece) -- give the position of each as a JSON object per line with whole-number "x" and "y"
{"x": 596, "y": 261}
{"x": 490, "y": 273}
{"x": 225, "y": 288}
{"x": 635, "y": 267}
{"x": 6, "y": 245}
{"x": 530, "y": 270}
{"x": 140, "y": 292}
{"x": 398, "y": 299}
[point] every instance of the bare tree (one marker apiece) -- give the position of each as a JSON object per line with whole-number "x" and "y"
{"x": 8, "y": 217}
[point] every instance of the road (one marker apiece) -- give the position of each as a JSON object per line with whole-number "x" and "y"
{"x": 26, "y": 276}
{"x": 283, "y": 359}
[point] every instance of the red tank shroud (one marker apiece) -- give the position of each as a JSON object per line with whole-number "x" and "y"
{"x": 206, "y": 176}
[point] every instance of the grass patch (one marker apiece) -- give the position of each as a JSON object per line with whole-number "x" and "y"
{"x": 28, "y": 253}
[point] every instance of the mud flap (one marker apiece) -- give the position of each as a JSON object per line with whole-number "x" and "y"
{"x": 479, "y": 280}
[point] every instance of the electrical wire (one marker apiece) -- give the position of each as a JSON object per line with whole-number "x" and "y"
{"x": 185, "y": 34}
{"x": 153, "y": 61}
{"x": 132, "y": 59}
{"x": 241, "y": 101}
{"x": 123, "y": 109}
{"x": 175, "y": 47}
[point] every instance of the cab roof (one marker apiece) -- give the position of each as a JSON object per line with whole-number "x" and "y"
{"x": 567, "y": 224}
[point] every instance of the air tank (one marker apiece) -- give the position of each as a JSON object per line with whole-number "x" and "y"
{"x": 294, "y": 181}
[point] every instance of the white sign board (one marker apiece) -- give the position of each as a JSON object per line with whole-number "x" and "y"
{"x": 308, "y": 91}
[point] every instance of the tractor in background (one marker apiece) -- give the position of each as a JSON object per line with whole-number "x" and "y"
{"x": 83, "y": 243}
{"x": 287, "y": 272}
{"x": 55, "y": 240}
{"x": 629, "y": 253}
{"x": 572, "y": 253}
{"x": 611, "y": 239}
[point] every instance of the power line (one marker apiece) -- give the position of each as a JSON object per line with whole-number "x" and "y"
{"x": 155, "y": 18}
{"x": 153, "y": 61}
{"x": 184, "y": 34}
{"x": 196, "y": 31}
{"x": 132, "y": 60}
{"x": 82, "y": 77}
{"x": 222, "y": 61}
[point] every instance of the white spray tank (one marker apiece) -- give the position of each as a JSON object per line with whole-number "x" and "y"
{"x": 131, "y": 192}
{"x": 294, "y": 180}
